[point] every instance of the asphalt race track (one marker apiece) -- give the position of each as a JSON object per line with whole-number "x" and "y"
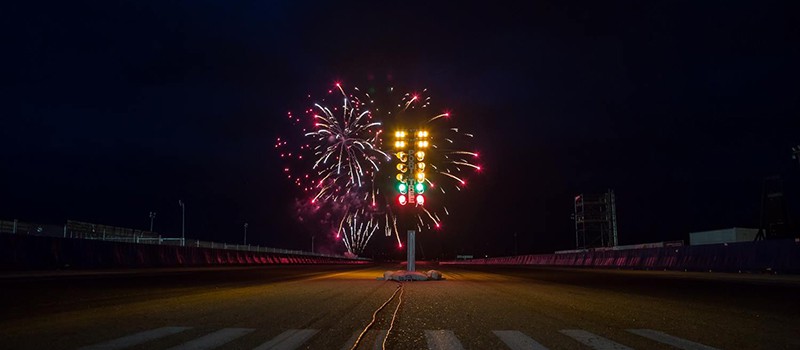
{"x": 328, "y": 307}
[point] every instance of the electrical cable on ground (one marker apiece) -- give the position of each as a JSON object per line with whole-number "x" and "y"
{"x": 374, "y": 315}
{"x": 394, "y": 315}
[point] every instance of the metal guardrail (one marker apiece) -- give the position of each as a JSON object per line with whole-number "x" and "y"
{"x": 82, "y": 230}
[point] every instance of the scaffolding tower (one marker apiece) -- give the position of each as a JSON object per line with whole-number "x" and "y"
{"x": 774, "y": 221}
{"x": 595, "y": 220}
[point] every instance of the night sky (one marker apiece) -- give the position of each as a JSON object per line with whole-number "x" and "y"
{"x": 113, "y": 109}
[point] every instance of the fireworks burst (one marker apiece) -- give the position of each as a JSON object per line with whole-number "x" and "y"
{"x": 345, "y": 140}
{"x": 356, "y": 229}
{"x": 343, "y": 164}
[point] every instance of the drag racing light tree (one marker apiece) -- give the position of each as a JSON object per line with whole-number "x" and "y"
{"x": 419, "y": 165}
{"x": 411, "y": 168}
{"x": 400, "y": 146}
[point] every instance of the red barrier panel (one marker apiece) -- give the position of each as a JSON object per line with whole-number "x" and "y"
{"x": 38, "y": 252}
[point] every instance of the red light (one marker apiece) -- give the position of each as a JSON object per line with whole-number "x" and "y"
{"x": 402, "y": 199}
{"x": 438, "y": 226}
{"x": 420, "y": 199}
{"x": 399, "y": 245}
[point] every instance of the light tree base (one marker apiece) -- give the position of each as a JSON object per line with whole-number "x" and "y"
{"x": 403, "y": 275}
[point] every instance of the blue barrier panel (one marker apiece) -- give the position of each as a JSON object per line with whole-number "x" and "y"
{"x": 776, "y": 255}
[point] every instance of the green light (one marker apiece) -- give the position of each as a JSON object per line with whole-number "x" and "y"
{"x": 402, "y": 188}
{"x": 419, "y": 187}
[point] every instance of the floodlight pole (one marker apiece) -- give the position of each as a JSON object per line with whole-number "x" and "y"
{"x": 183, "y": 222}
{"x": 152, "y": 216}
{"x": 515, "y": 243}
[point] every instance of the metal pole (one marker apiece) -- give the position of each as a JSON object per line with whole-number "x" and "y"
{"x": 183, "y": 222}
{"x": 515, "y": 243}
{"x": 410, "y": 245}
{"x": 152, "y": 216}
{"x": 14, "y": 231}
{"x": 614, "y": 218}
{"x": 245, "y": 233}
{"x": 575, "y": 217}
{"x": 312, "y": 244}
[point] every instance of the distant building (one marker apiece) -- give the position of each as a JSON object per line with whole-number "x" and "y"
{"x": 728, "y": 235}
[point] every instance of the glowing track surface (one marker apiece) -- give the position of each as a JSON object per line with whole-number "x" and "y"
{"x": 329, "y": 308}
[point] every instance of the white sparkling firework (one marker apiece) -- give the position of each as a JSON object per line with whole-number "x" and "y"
{"x": 356, "y": 229}
{"x": 345, "y": 150}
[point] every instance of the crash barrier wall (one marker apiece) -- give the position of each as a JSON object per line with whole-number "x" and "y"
{"x": 37, "y": 252}
{"x": 776, "y": 255}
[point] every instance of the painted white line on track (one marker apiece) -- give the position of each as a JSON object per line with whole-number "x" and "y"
{"x": 517, "y": 340}
{"x": 442, "y": 340}
{"x": 289, "y": 340}
{"x": 213, "y": 340}
{"x": 136, "y": 339}
{"x": 665, "y": 338}
{"x": 593, "y": 341}
{"x": 379, "y": 335}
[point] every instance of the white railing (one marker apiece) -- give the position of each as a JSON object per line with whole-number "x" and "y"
{"x": 113, "y": 234}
